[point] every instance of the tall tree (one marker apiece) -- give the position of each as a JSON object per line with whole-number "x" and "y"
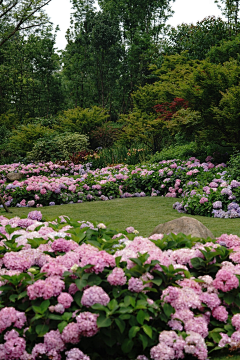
{"x": 92, "y": 60}
{"x": 17, "y": 15}
{"x": 230, "y": 9}
{"x": 196, "y": 39}
{"x": 142, "y": 22}
{"x": 29, "y": 82}
{"x": 113, "y": 48}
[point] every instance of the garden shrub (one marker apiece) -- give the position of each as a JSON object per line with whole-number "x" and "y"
{"x": 83, "y": 121}
{"x": 49, "y": 121}
{"x": 105, "y": 135}
{"x": 227, "y": 50}
{"x": 234, "y": 166}
{"x": 218, "y": 153}
{"x": 24, "y": 137}
{"x": 176, "y": 152}
{"x": 9, "y": 120}
{"x": 58, "y": 147}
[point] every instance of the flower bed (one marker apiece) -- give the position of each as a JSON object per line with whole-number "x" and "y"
{"x": 76, "y": 290}
{"x": 48, "y": 168}
{"x": 167, "y": 178}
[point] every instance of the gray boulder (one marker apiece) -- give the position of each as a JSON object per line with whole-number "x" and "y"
{"x": 12, "y": 176}
{"x": 185, "y": 225}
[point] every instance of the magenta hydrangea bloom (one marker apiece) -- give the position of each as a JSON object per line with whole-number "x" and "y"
{"x": 52, "y": 286}
{"x": 15, "y": 348}
{"x": 35, "y": 215}
{"x": 21, "y": 260}
{"x": 236, "y": 321}
{"x": 170, "y": 347}
{"x": 211, "y": 300}
{"x": 59, "y": 308}
{"x": 87, "y": 323}
{"x": 203, "y": 200}
{"x": 196, "y": 346}
{"x": 76, "y": 354}
{"x": 71, "y": 333}
{"x": 220, "y": 313}
{"x": 63, "y": 245}
{"x": 73, "y": 289}
{"x": 38, "y": 350}
{"x": 53, "y": 341}
{"x": 94, "y": 295}
{"x": 117, "y": 277}
{"x": 65, "y": 299}
{"x": 225, "y": 340}
{"x": 135, "y": 285}
{"x": 225, "y": 281}
{"x": 10, "y": 316}
{"x": 198, "y": 325}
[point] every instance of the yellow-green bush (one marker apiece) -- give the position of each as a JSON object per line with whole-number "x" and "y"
{"x": 58, "y": 147}
{"x": 24, "y": 137}
{"x": 81, "y": 120}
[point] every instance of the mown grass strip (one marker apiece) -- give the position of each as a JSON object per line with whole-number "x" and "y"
{"x": 141, "y": 213}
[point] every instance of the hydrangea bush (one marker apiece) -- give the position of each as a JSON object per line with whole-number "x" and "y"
{"x": 167, "y": 178}
{"x": 77, "y": 290}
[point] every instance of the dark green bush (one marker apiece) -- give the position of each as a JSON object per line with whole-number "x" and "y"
{"x": 24, "y": 137}
{"x": 234, "y": 166}
{"x": 200, "y": 151}
{"x": 58, "y": 147}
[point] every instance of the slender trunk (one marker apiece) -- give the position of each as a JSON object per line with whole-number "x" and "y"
{"x": 4, "y": 205}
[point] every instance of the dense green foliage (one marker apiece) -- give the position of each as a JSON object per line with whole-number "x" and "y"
{"x": 58, "y": 146}
{"x": 122, "y": 81}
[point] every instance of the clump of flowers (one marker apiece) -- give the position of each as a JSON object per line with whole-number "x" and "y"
{"x": 62, "y": 299}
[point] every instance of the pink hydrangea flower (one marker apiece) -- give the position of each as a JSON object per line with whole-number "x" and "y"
{"x": 203, "y": 200}
{"x": 53, "y": 341}
{"x": 198, "y": 325}
{"x": 63, "y": 245}
{"x": 65, "y": 299}
{"x": 87, "y": 323}
{"x": 196, "y": 346}
{"x": 135, "y": 285}
{"x": 225, "y": 281}
{"x": 94, "y": 295}
{"x": 52, "y": 286}
{"x": 76, "y": 354}
{"x": 35, "y": 215}
{"x": 117, "y": 277}
{"x": 71, "y": 333}
{"x": 15, "y": 348}
{"x": 211, "y": 300}
{"x": 220, "y": 313}
{"x": 10, "y": 316}
{"x": 59, "y": 308}
{"x": 225, "y": 340}
{"x": 236, "y": 321}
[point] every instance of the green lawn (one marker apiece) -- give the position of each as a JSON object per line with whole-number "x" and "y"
{"x": 142, "y": 213}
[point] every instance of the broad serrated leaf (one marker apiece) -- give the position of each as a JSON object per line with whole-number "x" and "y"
{"x": 133, "y": 331}
{"x": 121, "y": 325}
{"x": 148, "y": 330}
{"x": 102, "y": 321}
{"x": 55, "y": 317}
{"x": 67, "y": 316}
{"x": 168, "y": 309}
{"x": 144, "y": 340}
{"x": 141, "y": 317}
{"x": 127, "y": 346}
{"x": 42, "y": 329}
{"x": 62, "y": 325}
